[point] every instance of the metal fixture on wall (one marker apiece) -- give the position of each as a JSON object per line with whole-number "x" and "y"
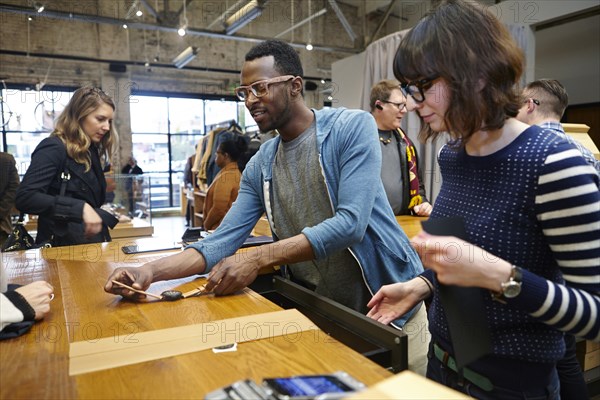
{"x": 39, "y": 8}
{"x": 243, "y": 16}
{"x": 185, "y": 57}
{"x": 227, "y": 12}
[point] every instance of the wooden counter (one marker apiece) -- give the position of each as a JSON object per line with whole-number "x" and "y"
{"x": 410, "y": 224}
{"x": 134, "y": 228}
{"x": 410, "y": 386}
{"x": 36, "y": 365}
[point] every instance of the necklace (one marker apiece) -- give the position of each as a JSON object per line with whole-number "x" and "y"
{"x": 384, "y": 140}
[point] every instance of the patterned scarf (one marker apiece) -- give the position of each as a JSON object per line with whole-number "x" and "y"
{"x": 411, "y": 158}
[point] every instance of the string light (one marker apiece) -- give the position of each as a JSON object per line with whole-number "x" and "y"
{"x": 309, "y": 46}
{"x": 181, "y": 30}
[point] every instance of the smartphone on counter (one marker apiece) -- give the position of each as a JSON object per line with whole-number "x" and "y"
{"x": 320, "y": 387}
{"x": 148, "y": 247}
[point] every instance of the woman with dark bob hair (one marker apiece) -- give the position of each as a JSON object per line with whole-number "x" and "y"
{"x": 224, "y": 189}
{"x": 64, "y": 184}
{"x": 530, "y": 205}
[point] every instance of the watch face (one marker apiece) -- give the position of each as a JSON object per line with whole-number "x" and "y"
{"x": 511, "y": 289}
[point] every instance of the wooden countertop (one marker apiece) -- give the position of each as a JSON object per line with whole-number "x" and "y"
{"x": 410, "y": 224}
{"x": 36, "y": 364}
{"x": 134, "y": 228}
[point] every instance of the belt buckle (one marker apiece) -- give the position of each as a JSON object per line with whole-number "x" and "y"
{"x": 445, "y": 359}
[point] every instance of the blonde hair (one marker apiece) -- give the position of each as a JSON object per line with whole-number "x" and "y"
{"x": 68, "y": 129}
{"x": 382, "y": 90}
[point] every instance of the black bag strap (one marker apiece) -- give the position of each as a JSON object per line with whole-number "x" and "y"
{"x": 21, "y": 218}
{"x": 65, "y": 177}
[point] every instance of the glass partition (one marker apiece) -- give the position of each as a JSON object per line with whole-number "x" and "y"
{"x": 129, "y": 195}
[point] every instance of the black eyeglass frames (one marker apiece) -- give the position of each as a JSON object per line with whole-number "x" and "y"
{"x": 416, "y": 89}
{"x": 399, "y": 106}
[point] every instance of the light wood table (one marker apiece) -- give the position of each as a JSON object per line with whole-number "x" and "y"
{"x": 410, "y": 386}
{"x": 410, "y": 224}
{"x": 134, "y": 228}
{"x": 36, "y": 365}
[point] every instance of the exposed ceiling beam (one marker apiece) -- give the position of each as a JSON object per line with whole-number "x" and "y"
{"x": 383, "y": 21}
{"x": 151, "y": 10}
{"x": 299, "y": 24}
{"x": 89, "y": 18}
{"x": 342, "y": 19}
{"x": 132, "y": 63}
{"x": 227, "y": 12}
{"x": 187, "y": 4}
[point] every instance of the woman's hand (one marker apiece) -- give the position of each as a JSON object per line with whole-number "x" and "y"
{"x": 393, "y": 301}
{"x": 461, "y": 263}
{"x": 91, "y": 221}
{"x": 38, "y": 294}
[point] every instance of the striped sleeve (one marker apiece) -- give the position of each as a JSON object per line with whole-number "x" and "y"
{"x": 568, "y": 209}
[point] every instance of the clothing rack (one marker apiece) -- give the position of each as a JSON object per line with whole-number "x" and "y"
{"x": 230, "y": 123}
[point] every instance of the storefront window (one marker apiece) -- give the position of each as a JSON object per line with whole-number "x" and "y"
{"x": 165, "y": 131}
{"x": 28, "y": 117}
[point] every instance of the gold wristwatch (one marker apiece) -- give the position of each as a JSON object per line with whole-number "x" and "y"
{"x": 511, "y": 288}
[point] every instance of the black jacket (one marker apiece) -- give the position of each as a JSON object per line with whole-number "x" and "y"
{"x": 60, "y": 217}
{"x": 9, "y": 181}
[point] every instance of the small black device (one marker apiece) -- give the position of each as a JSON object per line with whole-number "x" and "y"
{"x": 378, "y": 106}
{"x": 146, "y": 248}
{"x": 193, "y": 234}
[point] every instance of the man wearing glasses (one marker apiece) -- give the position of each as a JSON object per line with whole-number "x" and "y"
{"x": 400, "y": 173}
{"x": 318, "y": 183}
{"x": 544, "y": 103}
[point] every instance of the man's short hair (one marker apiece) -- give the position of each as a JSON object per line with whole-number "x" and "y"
{"x": 287, "y": 61}
{"x": 382, "y": 90}
{"x": 551, "y": 94}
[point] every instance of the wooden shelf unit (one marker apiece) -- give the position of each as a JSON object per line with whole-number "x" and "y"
{"x": 197, "y": 207}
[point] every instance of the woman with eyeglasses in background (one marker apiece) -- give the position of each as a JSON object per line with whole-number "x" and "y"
{"x": 71, "y": 158}
{"x": 530, "y": 203}
{"x": 402, "y": 178}
{"x": 224, "y": 189}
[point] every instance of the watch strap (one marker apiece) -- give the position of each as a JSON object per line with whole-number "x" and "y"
{"x": 516, "y": 276}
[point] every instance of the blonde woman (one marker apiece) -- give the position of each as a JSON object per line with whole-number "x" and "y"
{"x": 84, "y": 135}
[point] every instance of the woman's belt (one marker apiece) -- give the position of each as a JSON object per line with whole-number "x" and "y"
{"x": 447, "y": 360}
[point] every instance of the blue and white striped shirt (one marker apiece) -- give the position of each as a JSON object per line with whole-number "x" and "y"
{"x": 536, "y": 204}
